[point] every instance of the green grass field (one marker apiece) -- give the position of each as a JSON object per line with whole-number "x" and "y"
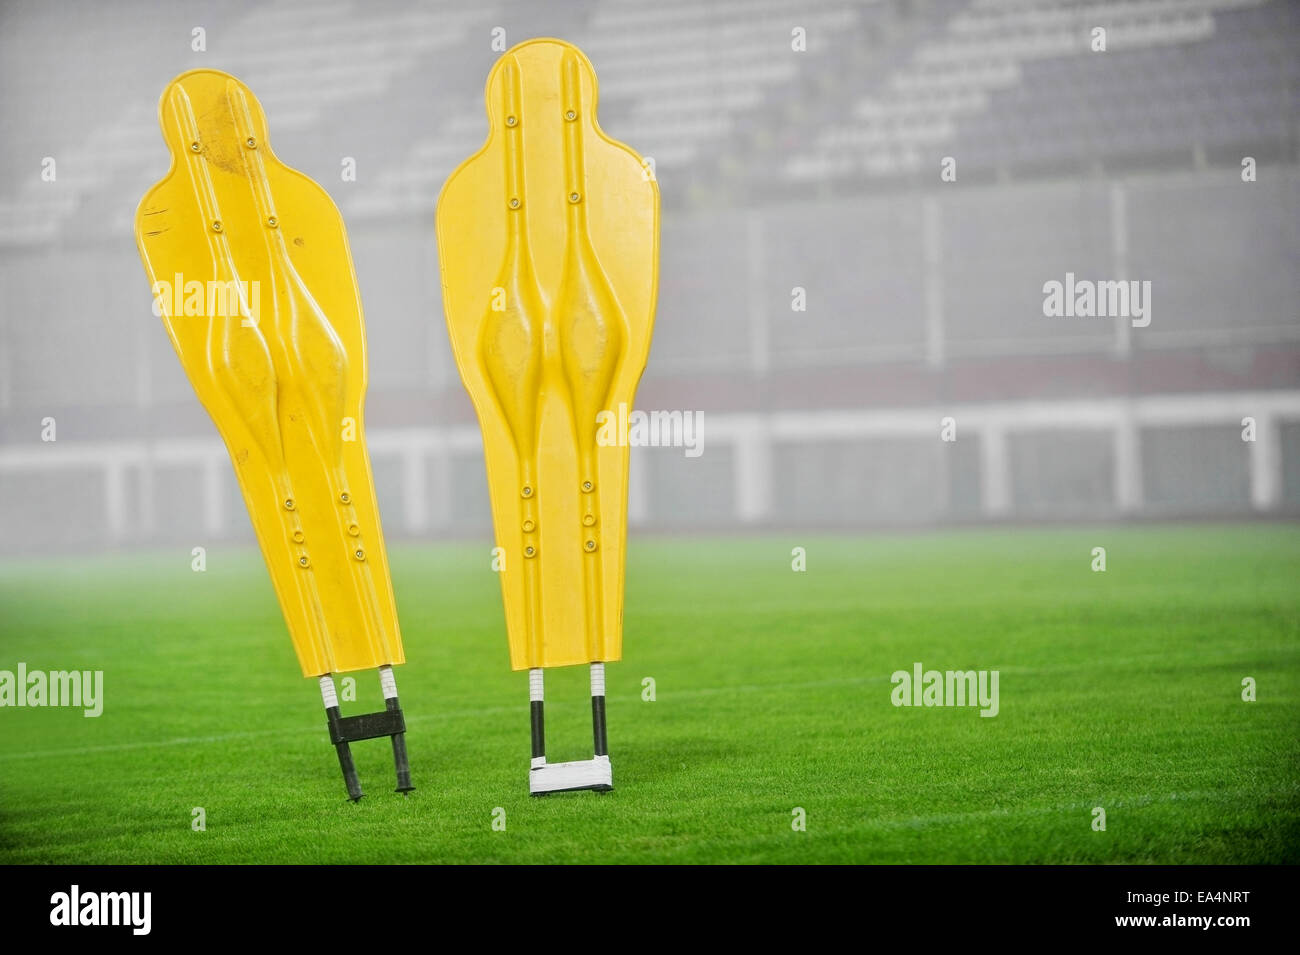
{"x": 1119, "y": 689}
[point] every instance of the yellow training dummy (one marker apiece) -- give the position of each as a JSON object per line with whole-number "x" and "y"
{"x": 548, "y": 242}
{"x": 253, "y": 279}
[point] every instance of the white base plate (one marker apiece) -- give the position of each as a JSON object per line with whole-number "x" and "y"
{"x": 595, "y": 773}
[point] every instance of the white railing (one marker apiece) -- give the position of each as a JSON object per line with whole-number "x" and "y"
{"x": 425, "y": 504}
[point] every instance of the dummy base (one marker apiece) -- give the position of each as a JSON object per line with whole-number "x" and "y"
{"x": 595, "y": 774}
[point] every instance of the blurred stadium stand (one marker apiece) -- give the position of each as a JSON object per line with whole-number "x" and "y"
{"x": 778, "y": 169}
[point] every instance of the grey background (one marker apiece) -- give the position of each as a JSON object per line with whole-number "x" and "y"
{"x": 778, "y": 168}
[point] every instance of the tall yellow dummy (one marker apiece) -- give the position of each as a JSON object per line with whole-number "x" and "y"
{"x": 252, "y": 276}
{"x": 548, "y": 242}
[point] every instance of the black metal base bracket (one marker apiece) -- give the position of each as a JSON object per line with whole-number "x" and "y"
{"x": 345, "y": 730}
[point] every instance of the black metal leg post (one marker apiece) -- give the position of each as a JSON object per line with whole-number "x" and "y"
{"x": 403, "y": 766}
{"x": 535, "y": 704}
{"x": 598, "y": 709}
{"x": 350, "y": 778}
